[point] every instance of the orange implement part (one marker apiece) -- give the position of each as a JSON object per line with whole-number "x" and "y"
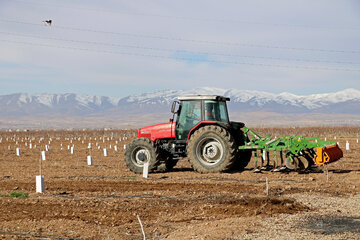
{"x": 328, "y": 154}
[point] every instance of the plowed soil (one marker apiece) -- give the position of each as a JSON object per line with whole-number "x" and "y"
{"x": 107, "y": 201}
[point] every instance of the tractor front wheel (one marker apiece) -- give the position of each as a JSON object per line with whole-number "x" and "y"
{"x": 211, "y": 149}
{"x": 138, "y": 152}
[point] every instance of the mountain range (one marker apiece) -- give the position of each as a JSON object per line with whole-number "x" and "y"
{"x": 156, "y": 105}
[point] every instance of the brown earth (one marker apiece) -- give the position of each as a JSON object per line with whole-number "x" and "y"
{"x": 106, "y": 200}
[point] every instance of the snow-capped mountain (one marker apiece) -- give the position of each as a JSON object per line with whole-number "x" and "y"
{"x": 21, "y": 104}
{"x": 345, "y": 101}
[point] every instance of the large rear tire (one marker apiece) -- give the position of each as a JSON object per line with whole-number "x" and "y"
{"x": 138, "y": 152}
{"x": 211, "y": 149}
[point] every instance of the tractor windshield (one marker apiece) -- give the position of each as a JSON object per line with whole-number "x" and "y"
{"x": 216, "y": 111}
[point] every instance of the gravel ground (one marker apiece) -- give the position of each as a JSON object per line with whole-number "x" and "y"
{"x": 103, "y": 201}
{"x": 333, "y": 218}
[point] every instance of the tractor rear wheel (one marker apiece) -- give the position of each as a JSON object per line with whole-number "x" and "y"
{"x": 138, "y": 152}
{"x": 211, "y": 149}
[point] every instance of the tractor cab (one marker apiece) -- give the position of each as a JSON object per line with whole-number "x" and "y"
{"x": 195, "y": 110}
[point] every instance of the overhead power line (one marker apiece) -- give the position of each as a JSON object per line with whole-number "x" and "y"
{"x": 191, "y": 18}
{"x": 189, "y": 40}
{"x": 174, "y": 50}
{"x": 182, "y": 58}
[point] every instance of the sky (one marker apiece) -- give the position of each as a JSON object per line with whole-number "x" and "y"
{"x": 119, "y": 48}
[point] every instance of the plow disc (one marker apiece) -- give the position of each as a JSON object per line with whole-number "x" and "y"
{"x": 299, "y": 152}
{"x": 328, "y": 154}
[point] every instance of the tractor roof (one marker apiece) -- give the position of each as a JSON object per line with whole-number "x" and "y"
{"x": 203, "y": 97}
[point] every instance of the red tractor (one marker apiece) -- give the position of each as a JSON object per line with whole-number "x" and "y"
{"x": 202, "y": 132}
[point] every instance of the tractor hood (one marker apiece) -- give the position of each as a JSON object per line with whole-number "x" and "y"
{"x": 158, "y": 131}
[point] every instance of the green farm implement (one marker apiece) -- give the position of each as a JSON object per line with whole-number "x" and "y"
{"x": 296, "y": 152}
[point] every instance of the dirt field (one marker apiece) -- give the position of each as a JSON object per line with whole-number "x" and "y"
{"x": 106, "y": 200}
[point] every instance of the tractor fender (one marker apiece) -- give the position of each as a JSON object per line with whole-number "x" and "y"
{"x": 204, "y": 123}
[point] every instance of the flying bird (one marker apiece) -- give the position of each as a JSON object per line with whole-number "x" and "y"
{"x": 47, "y": 22}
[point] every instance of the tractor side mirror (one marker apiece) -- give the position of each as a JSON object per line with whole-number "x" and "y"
{"x": 173, "y": 106}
